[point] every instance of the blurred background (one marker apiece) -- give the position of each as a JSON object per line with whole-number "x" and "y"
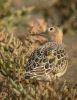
{"x": 23, "y": 17}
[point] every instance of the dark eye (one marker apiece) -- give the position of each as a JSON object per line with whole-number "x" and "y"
{"x": 51, "y": 29}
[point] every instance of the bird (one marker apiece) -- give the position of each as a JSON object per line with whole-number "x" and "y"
{"x": 35, "y": 24}
{"x": 50, "y": 60}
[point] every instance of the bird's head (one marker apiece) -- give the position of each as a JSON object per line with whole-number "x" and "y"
{"x": 54, "y": 34}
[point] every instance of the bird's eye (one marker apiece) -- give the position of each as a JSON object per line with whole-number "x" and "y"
{"x": 51, "y": 29}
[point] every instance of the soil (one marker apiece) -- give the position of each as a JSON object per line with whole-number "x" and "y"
{"x": 71, "y": 42}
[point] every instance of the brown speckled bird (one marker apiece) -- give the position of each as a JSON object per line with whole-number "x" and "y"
{"x": 49, "y": 60}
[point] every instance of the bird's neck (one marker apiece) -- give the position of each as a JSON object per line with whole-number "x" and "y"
{"x": 56, "y": 40}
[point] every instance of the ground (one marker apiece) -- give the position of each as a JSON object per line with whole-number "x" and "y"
{"x": 71, "y": 42}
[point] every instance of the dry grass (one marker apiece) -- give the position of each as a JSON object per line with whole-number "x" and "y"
{"x": 12, "y": 86}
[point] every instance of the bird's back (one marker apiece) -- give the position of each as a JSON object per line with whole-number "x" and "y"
{"x": 47, "y": 61}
